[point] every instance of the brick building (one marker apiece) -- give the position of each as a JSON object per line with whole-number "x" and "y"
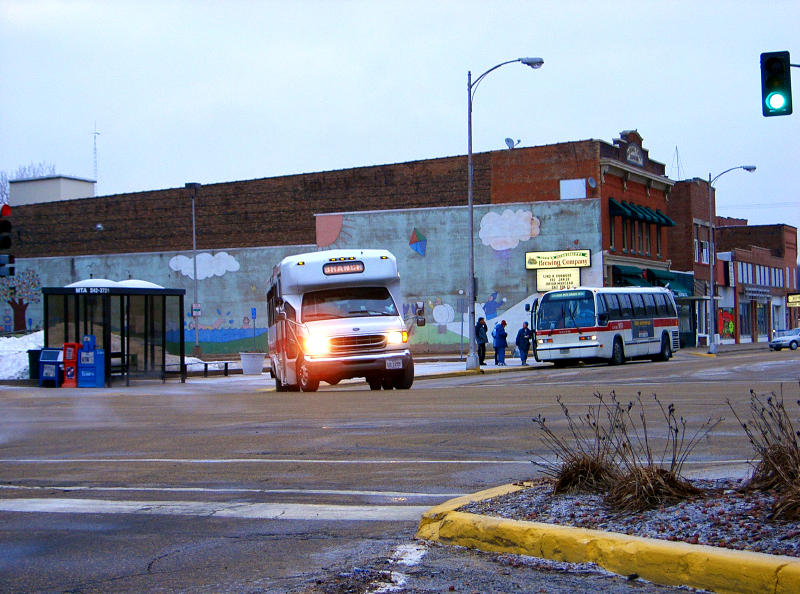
{"x": 609, "y": 198}
{"x": 761, "y": 247}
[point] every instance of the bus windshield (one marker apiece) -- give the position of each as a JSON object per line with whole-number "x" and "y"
{"x": 565, "y": 309}
{"x": 350, "y": 302}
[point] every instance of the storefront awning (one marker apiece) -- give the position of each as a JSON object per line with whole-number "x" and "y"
{"x": 682, "y": 284}
{"x": 630, "y": 276}
{"x": 637, "y": 212}
{"x": 662, "y": 275}
{"x": 617, "y": 209}
{"x": 667, "y": 221}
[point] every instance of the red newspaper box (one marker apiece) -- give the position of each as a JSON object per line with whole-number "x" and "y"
{"x": 71, "y": 364}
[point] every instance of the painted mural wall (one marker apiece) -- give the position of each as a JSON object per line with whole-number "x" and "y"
{"x": 432, "y": 251}
{"x": 430, "y": 246}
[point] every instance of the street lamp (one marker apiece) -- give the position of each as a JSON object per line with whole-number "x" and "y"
{"x": 196, "y": 351}
{"x": 712, "y": 307}
{"x": 472, "y": 357}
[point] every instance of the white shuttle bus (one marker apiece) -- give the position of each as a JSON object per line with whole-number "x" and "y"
{"x": 610, "y": 324}
{"x": 334, "y": 315}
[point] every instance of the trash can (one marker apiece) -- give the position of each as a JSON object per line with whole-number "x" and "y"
{"x": 33, "y": 363}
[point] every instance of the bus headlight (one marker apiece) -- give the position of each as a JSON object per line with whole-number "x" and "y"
{"x": 397, "y": 337}
{"x": 316, "y": 344}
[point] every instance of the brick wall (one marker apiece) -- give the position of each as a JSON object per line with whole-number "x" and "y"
{"x": 260, "y": 212}
{"x": 687, "y": 201}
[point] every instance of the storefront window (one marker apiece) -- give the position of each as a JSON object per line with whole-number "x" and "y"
{"x": 761, "y": 319}
{"x": 727, "y": 322}
{"x": 745, "y": 326}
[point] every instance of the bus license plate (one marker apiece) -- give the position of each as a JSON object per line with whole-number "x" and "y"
{"x": 394, "y": 363}
{"x": 563, "y": 351}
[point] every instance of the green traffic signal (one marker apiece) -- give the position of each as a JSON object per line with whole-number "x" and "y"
{"x": 776, "y": 84}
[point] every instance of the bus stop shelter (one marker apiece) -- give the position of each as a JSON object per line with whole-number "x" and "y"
{"x": 138, "y": 324}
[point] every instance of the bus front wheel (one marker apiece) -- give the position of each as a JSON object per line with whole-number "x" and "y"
{"x": 617, "y": 353}
{"x": 305, "y": 380}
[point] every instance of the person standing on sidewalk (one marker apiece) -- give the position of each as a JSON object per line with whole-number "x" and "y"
{"x": 481, "y": 337}
{"x": 523, "y": 342}
{"x": 500, "y": 343}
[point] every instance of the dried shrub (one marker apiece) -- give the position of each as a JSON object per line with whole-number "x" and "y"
{"x": 585, "y": 474}
{"x": 787, "y": 507}
{"x": 647, "y": 487}
{"x": 650, "y": 479}
{"x": 583, "y": 461}
{"x": 775, "y": 442}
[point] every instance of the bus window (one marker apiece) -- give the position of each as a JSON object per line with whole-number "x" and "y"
{"x": 601, "y": 307}
{"x": 625, "y": 306}
{"x": 661, "y": 303}
{"x": 570, "y": 309}
{"x": 638, "y": 306}
{"x": 612, "y": 305}
{"x": 650, "y": 305}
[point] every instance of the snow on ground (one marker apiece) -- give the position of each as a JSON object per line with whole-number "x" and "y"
{"x": 14, "y": 354}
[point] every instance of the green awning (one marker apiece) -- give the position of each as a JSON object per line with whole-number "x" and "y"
{"x": 682, "y": 285}
{"x": 655, "y": 273}
{"x": 641, "y": 213}
{"x": 627, "y": 270}
{"x": 630, "y": 276}
{"x": 667, "y": 221}
{"x": 654, "y": 218}
{"x": 634, "y": 281}
{"x": 617, "y": 209}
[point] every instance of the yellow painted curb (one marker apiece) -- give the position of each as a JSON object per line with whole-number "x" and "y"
{"x": 662, "y": 562}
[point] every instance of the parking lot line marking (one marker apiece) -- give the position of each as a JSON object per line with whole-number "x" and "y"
{"x": 256, "y": 511}
{"x": 362, "y": 493}
{"x": 245, "y": 461}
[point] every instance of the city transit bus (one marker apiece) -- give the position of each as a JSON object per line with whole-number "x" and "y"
{"x": 334, "y": 315}
{"x": 611, "y": 324}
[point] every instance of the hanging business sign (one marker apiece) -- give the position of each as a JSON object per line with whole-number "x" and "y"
{"x": 567, "y": 259}
{"x": 562, "y": 278}
{"x": 793, "y": 300}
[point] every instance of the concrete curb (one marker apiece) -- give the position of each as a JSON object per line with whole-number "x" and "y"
{"x": 661, "y": 562}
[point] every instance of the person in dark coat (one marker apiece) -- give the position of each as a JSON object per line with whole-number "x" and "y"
{"x": 481, "y": 337}
{"x": 523, "y": 342}
{"x": 500, "y": 343}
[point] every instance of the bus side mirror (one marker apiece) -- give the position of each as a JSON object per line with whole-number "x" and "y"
{"x": 419, "y": 310}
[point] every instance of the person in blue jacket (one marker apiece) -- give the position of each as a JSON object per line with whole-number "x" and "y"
{"x": 500, "y": 343}
{"x": 523, "y": 342}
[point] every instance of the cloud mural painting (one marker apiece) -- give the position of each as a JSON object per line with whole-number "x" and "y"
{"x": 208, "y": 265}
{"x": 506, "y": 230}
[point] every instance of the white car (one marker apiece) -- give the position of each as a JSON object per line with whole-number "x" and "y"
{"x": 785, "y": 338}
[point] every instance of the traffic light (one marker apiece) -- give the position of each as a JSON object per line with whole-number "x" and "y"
{"x": 6, "y": 260}
{"x": 776, "y": 84}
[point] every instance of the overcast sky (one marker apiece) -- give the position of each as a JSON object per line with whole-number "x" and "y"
{"x": 215, "y": 91}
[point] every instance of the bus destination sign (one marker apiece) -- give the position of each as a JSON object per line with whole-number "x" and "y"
{"x": 348, "y": 267}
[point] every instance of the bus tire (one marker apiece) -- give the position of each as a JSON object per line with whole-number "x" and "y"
{"x": 617, "y": 353}
{"x": 404, "y": 379}
{"x": 279, "y": 387}
{"x": 666, "y": 351}
{"x": 305, "y": 379}
{"x": 375, "y": 382}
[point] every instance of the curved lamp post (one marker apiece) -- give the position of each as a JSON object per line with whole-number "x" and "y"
{"x": 192, "y": 187}
{"x": 712, "y": 322}
{"x": 472, "y": 357}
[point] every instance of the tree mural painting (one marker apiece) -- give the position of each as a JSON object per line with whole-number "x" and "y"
{"x": 20, "y": 291}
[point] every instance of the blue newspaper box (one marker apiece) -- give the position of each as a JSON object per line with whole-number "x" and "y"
{"x": 50, "y": 370}
{"x": 91, "y": 364}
